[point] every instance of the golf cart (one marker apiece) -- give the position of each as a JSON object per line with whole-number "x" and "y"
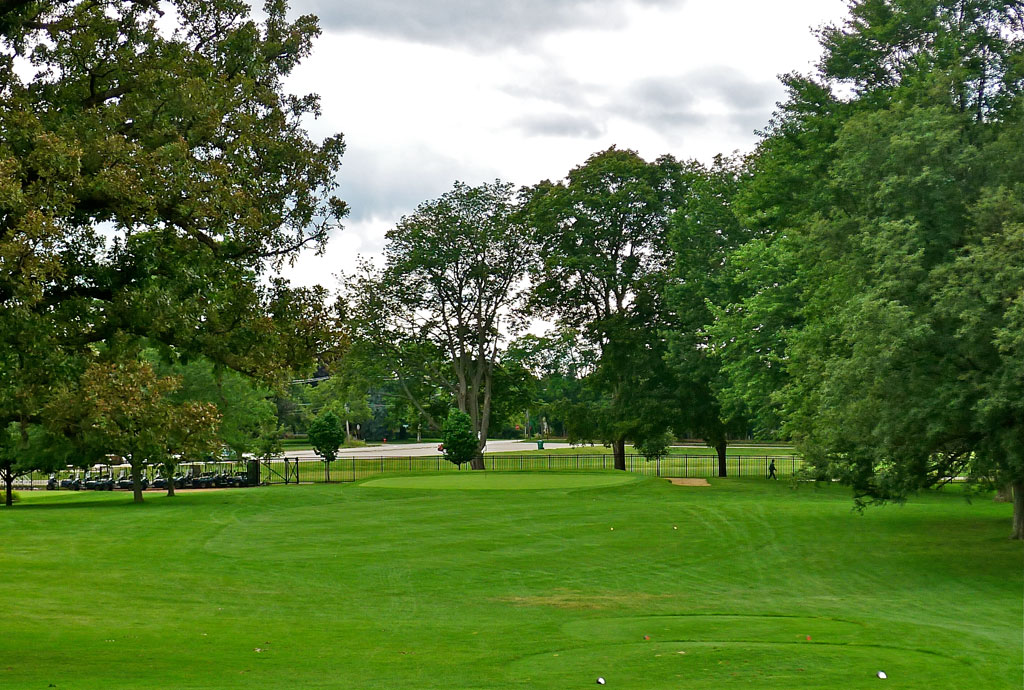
{"x": 73, "y": 482}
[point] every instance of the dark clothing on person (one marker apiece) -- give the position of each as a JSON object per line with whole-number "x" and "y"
{"x": 771, "y": 470}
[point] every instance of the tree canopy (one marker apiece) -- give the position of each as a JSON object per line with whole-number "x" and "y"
{"x": 603, "y": 238}
{"x": 876, "y": 234}
{"x": 152, "y": 172}
{"x": 448, "y": 294}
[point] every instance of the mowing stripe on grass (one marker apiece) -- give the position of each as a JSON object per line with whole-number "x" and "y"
{"x": 500, "y": 481}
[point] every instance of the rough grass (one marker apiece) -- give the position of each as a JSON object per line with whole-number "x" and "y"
{"x": 743, "y": 584}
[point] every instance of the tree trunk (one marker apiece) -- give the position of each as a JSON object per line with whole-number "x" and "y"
{"x": 137, "y": 481}
{"x": 9, "y": 489}
{"x": 1018, "y": 509}
{"x": 722, "y": 466}
{"x": 619, "y": 453}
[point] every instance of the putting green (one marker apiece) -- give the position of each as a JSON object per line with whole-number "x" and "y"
{"x": 502, "y": 481}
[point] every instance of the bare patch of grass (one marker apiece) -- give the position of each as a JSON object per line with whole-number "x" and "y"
{"x": 570, "y": 599}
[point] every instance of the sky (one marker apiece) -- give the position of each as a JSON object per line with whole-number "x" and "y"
{"x": 428, "y": 92}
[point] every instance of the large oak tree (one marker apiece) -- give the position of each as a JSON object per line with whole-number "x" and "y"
{"x": 152, "y": 172}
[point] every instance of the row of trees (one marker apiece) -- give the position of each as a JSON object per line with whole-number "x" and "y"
{"x": 854, "y": 284}
{"x": 465, "y": 274}
{"x": 879, "y": 306}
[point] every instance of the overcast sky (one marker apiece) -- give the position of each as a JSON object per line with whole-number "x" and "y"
{"x": 428, "y": 92}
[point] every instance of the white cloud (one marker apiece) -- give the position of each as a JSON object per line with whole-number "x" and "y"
{"x": 427, "y": 93}
{"x": 477, "y": 25}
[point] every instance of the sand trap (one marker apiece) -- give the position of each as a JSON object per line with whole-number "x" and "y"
{"x": 690, "y": 482}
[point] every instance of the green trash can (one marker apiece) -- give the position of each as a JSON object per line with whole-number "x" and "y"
{"x": 540, "y": 444}
{"x": 252, "y": 473}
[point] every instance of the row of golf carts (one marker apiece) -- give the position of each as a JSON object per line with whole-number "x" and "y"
{"x": 110, "y": 477}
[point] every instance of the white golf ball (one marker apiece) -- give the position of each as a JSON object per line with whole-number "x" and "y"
{"x": 881, "y": 674}
{"x": 600, "y": 681}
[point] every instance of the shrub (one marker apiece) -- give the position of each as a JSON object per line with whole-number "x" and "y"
{"x": 460, "y": 443}
{"x": 326, "y": 434}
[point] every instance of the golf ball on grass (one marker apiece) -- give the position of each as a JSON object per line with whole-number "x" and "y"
{"x": 600, "y": 681}
{"x": 881, "y": 674}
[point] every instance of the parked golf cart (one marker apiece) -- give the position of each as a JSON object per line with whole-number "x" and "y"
{"x": 73, "y": 482}
{"x": 51, "y": 482}
{"x": 98, "y": 481}
{"x": 206, "y": 480}
{"x": 124, "y": 475}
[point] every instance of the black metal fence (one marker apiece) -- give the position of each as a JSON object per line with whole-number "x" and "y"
{"x": 313, "y": 470}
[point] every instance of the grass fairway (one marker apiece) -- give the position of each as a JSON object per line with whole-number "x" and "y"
{"x": 504, "y": 481}
{"x": 745, "y": 583}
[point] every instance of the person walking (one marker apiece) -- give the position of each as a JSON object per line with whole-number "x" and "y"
{"x": 771, "y": 471}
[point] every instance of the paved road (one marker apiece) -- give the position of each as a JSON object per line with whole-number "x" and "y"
{"x": 405, "y": 450}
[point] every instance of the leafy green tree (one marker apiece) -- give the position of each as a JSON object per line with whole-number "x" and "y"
{"x": 152, "y": 173}
{"x": 123, "y": 408}
{"x": 704, "y": 232}
{"x": 603, "y": 240}
{"x": 781, "y": 192}
{"x": 898, "y": 352}
{"x": 981, "y": 292}
{"x": 514, "y": 392}
{"x": 560, "y": 362}
{"x": 246, "y": 413}
{"x": 973, "y": 46}
{"x": 449, "y": 293}
{"x": 326, "y": 434}
{"x": 346, "y": 392}
{"x": 192, "y": 437}
{"x": 25, "y": 449}
{"x": 460, "y": 441}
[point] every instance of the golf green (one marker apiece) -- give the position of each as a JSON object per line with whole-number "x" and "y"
{"x": 502, "y": 481}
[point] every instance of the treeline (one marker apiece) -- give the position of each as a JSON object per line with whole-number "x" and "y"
{"x": 855, "y": 284}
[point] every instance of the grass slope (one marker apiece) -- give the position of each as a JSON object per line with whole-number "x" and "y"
{"x": 362, "y": 587}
